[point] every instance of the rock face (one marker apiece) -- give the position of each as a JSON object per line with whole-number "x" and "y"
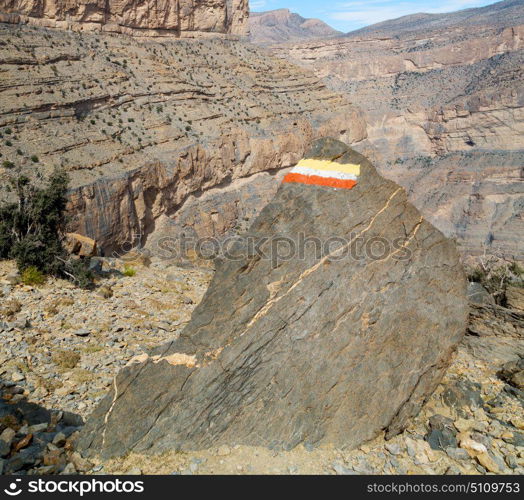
{"x": 515, "y": 298}
{"x": 277, "y": 26}
{"x": 495, "y": 334}
{"x": 141, "y": 125}
{"x": 330, "y": 345}
{"x": 219, "y": 213}
{"x": 442, "y": 96}
{"x": 82, "y": 246}
{"x": 140, "y": 17}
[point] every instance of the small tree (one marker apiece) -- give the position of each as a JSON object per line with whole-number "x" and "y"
{"x": 31, "y": 227}
{"x": 496, "y": 273}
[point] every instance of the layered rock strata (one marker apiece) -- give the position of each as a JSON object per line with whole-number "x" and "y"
{"x": 184, "y": 18}
{"x": 143, "y": 125}
{"x": 442, "y": 97}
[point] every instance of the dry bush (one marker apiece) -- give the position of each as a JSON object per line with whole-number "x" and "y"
{"x": 496, "y": 273}
{"x": 66, "y": 360}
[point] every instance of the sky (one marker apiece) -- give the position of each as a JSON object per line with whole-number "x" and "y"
{"x": 348, "y": 15}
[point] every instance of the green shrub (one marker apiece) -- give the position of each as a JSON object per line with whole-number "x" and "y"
{"x": 34, "y": 158}
{"x": 517, "y": 270}
{"x": 129, "y": 271}
{"x": 31, "y": 228}
{"x": 78, "y": 271}
{"x": 8, "y": 164}
{"x": 32, "y": 276}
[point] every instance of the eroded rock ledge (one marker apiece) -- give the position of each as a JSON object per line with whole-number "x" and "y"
{"x": 180, "y": 18}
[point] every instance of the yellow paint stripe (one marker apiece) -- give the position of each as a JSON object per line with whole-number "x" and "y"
{"x": 348, "y": 168}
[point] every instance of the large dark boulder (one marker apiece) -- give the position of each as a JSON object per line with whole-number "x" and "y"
{"x": 304, "y": 348}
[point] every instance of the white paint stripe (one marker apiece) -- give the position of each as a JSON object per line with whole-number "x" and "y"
{"x": 324, "y": 173}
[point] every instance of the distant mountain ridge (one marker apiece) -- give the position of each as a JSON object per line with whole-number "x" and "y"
{"x": 282, "y": 25}
{"x": 443, "y": 99}
{"x": 494, "y": 14}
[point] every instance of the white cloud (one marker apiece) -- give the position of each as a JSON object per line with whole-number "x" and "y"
{"x": 257, "y": 4}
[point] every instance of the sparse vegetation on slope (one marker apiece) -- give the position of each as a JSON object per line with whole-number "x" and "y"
{"x": 170, "y": 116}
{"x": 496, "y": 275}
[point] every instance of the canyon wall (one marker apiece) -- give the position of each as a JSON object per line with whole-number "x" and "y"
{"x": 144, "y": 126}
{"x": 443, "y": 98}
{"x": 140, "y": 17}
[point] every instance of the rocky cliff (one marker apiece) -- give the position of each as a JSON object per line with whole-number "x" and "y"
{"x": 142, "y": 125}
{"x": 329, "y": 344}
{"x": 140, "y": 17}
{"x": 438, "y": 92}
{"x": 282, "y": 25}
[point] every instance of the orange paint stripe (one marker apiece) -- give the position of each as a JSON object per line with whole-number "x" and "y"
{"x": 320, "y": 181}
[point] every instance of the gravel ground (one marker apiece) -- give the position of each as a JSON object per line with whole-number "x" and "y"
{"x": 61, "y": 347}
